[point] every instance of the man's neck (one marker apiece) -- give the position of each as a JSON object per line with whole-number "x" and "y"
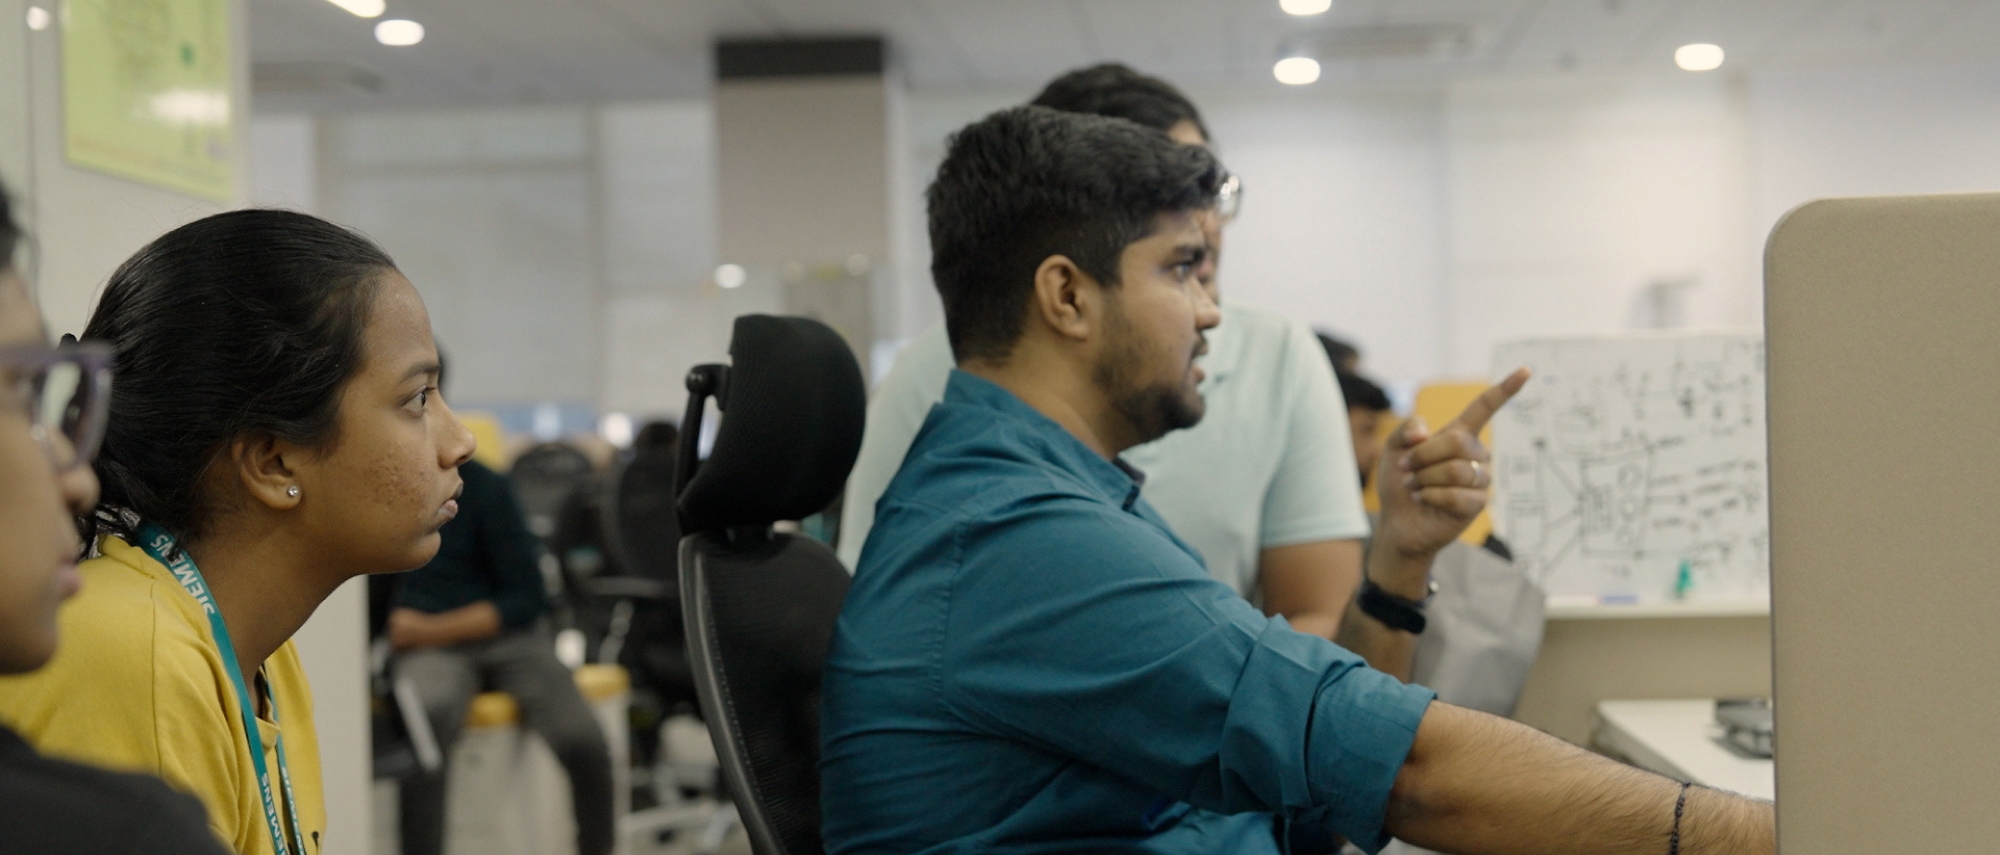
{"x": 1066, "y": 395}
{"x": 264, "y": 589}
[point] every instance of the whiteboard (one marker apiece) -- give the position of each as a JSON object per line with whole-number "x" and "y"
{"x": 1632, "y": 469}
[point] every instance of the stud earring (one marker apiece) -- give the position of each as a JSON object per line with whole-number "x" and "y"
{"x": 292, "y": 491}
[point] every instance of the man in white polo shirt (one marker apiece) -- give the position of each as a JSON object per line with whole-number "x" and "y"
{"x": 1264, "y": 488}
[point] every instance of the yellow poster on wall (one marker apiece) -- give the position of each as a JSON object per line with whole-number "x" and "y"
{"x": 146, "y": 92}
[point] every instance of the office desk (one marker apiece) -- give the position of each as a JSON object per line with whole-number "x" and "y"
{"x": 1677, "y": 739}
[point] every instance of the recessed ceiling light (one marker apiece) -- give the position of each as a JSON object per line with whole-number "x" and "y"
{"x": 1698, "y": 57}
{"x": 397, "y": 32}
{"x": 38, "y": 18}
{"x": 363, "y": 8}
{"x": 1305, "y": 7}
{"x": 730, "y": 276}
{"x": 1296, "y": 70}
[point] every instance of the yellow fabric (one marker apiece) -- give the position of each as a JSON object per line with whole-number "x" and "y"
{"x": 597, "y": 683}
{"x": 493, "y": 709}
{"x": 1439, "y": 403}
{"x": 137, "y": 685}
{"x": 602, "y": 682}
{"x": 491, "y": 438}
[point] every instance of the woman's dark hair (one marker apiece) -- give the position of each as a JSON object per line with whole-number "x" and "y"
{"x": 1361, "y": 392}
{"x": 1115, "y": 90}
{"x": 1028, "y": 183}
{"x": 10, "y": 233}
{"x": 658, "y": 436}
{"x": 241, "y": 324}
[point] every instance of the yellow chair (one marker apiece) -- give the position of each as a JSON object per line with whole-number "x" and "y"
{"x": 492, "y": 451}
{"x": 508, "y": 795}
{"x": 1438, "y": 404}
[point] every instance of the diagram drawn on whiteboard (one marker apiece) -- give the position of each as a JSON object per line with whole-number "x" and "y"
{"x": 1634, "y": 467}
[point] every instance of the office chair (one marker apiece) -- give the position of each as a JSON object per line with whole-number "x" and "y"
{"x": 544, "y": 478}
{"x": 760, "y": 605}
{"x": 635, "y": 609}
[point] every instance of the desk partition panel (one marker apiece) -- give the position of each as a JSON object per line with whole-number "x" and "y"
{"x": 1883, "y": 331}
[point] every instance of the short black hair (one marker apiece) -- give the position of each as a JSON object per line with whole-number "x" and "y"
{"x": 1027, "y": 183}
{"x": 1114, "y": 89}
{"x": 1338, "y": 351}
{"x": 10, "y": 232}
{"x": 1361, "y": 392}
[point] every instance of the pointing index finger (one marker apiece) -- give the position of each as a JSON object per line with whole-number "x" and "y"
{"x": 1482, "y": 408}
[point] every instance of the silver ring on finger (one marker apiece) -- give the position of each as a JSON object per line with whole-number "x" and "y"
{"x": 1478, "y": 474}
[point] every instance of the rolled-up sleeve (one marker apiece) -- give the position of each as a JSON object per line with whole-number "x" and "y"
{"x": 1114, "y": 647}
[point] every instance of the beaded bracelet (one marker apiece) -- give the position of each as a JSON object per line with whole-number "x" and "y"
{"x": 1680, "y": 804}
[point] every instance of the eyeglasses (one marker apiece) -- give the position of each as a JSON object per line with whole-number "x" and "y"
{"x": 65, "y": 392}
{"x": 1229, "y": 197}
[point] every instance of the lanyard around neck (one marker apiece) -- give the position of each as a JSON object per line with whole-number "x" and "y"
{"x": 161, "y": 546}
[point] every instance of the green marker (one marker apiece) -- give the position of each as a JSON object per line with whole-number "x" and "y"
{"x": 1684, "y": 580}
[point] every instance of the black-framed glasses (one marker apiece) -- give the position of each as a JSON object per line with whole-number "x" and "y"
{"x": 65, "y": 392}
{"x": 1229, "y": 197}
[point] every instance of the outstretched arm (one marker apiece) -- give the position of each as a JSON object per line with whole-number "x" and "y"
{"x": 1432, "y": 486}
{"x": 1483, "y": 785}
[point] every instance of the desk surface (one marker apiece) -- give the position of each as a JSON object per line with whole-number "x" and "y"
{"x": 1677, "y": 739}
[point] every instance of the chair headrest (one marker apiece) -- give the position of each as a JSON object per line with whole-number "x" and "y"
{"x": 793, "y": 405}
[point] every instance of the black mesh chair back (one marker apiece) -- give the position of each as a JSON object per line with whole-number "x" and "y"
{"x": 645, "y": 533}
{"x": 760, "y": 605}
{"x": 545, "y": 477}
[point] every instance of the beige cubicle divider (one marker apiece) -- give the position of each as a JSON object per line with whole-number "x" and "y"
{"x": 1883, "y": 324}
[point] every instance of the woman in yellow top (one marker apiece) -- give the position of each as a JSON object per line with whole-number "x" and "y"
{"x": 274, "y": 431}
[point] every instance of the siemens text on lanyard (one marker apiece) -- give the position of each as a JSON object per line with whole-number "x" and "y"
{"x": 160, "y": 545}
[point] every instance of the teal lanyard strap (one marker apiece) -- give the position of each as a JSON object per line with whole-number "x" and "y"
{"x": 160, "y": 545}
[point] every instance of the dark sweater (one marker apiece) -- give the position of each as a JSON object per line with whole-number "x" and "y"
{"x": 50, "y": 807}
{"x": 487, "y": 553}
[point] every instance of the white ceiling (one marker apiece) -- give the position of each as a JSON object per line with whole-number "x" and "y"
{"x": 310, "y": 55}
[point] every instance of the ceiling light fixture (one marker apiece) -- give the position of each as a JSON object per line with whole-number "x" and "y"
{"x": 1303, "y": 8}
{"x": 730, "y": 276}
{"x": 38, "y": 18}
{"x": 1296, "y": 70}
{"x": 397, "y": 32}
{"x": 1698, "y": 57}
{"x": 363, "y": 8}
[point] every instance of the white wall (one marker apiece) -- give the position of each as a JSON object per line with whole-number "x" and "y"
{"x": 1343, "y": 217}
{"x": 83, "y": 223}
{"x": 563, "y": 251}
{"x": 1870, "y": 132}
{"x": 1429, "y": 225}
{"x": 1569, "y": 197}
{"x": 1426, "y": 223}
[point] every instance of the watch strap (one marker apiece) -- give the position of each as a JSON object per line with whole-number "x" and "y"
{"x": 1394, "y": 612}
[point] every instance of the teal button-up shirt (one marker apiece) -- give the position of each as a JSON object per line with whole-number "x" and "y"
{"x": 1029, "y": 661}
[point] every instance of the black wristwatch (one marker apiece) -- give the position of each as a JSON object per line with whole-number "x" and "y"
{"x": 1394, "y": 612}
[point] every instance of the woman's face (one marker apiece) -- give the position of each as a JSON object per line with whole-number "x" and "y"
{"x": 377, "y": 495}
{"x": 37, "y": 507}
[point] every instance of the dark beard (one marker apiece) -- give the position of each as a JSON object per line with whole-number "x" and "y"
{"x": 1153, "y": 411}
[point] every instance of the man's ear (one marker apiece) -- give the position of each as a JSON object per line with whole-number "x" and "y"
{"x": 259, "y": 463}
{"x": 1066, "y": 298}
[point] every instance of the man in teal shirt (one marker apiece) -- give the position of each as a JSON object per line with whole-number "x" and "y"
{"x": 1030, "y": 661}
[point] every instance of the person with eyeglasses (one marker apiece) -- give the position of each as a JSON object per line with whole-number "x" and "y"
{"x": 275, "y": 431}
{"x": 1260, "y": 488}
{"x": 52, "y": 403}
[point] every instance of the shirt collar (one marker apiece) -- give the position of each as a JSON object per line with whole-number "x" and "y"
{"x": 1117, "y": 480}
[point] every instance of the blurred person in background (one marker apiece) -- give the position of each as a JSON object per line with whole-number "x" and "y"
{"x": 471, "y": 620}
